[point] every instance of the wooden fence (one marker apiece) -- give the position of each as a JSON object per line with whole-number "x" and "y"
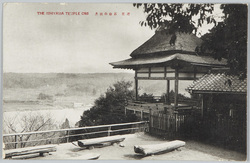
{"x": 173, "y": 125}
{"x": 17, "y": 140}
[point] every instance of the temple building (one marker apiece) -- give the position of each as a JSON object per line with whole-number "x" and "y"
{"x": 166, "y": 56}
{"x": 219, "y": 110}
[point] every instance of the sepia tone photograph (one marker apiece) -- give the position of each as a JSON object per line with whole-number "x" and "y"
{"x": 124, "y": 81}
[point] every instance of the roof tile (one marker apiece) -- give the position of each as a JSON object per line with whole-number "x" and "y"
{"x": 218, "y": 82}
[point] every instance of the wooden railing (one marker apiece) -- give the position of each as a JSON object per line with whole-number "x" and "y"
{"x": 71, "y": 132}
{"x": 161, "y": 99}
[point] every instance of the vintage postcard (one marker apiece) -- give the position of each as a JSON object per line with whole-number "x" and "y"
{"x": 124, "y": 81}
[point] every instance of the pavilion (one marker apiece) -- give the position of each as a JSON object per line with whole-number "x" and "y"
{"x": 167, "y": 56}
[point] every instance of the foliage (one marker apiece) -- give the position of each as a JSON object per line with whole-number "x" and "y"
{"x": 43, "y": 96}
{"x": 172, "y": 94}
{"x": 176, "y": 16}
{"x": 150, "y": 97}
{"x": 228, "y": 39}
{"x": 109, "y": 108}
{"x": 146, "y": 97}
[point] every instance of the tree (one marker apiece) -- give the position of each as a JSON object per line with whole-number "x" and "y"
{"x": 109, "y": 108}
{"x": 181, "y": 17}
{"x": 28, "y": 123}
{"x": 228, "y": 39}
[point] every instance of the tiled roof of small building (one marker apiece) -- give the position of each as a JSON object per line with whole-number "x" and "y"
{"x": 218, "y": 83}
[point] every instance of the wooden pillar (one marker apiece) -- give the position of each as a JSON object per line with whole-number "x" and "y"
{"x": 141, "y": 115}
{"x": 167, "y": 92}
{"x": 150, "y": 121}
{"x": 165, "y": 72}
{"x": 149, "y": 72}
{"x": 136, "y": 86}
{"x": 202, "y": 104}
{"x": 176, "y": 87}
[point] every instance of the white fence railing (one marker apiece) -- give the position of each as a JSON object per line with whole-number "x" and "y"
{"x": 17, "y": 139}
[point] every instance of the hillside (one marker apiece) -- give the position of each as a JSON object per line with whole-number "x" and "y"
{"x": 69, "y": 88}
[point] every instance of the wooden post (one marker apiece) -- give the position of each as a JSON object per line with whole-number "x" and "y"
{"x": 149, "y": 72}
{"x": 202, "y": 104}
{"x": 109, "y": 130}
{"x": 167, "y": 92}
{"x": 176, "y": 88}
{"x": 150, "y": 120}
{"x": 165, "y": 72}
{"x": 16, "y": 141}
{"x": 136, "y": 86}
{"x": 125, "y": 111}
{"x": 176, "y": 123}
{"x": 142, "y": 115}
{"x": 176, "y": 96}
{"x": 21, "y": 139}
{"x": 67, "y": 136}
{"x": 195, "y": 71}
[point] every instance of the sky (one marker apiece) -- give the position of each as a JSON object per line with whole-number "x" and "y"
{"x": 68, "y": 43}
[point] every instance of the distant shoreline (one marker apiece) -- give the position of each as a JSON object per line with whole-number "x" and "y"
{"x": 11, "y": 107}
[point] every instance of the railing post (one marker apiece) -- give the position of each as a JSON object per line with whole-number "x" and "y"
{"x": 142, "y": 115}
{"x": 109, "y": 130}
{"x": 16, "y": 141}
{"x": 125, "y": 111}
{"x": 21, "y": 141}
{"x": 67, "y": 133}
{"x": 176, "y": 124}
{"x": 150, "y": 120}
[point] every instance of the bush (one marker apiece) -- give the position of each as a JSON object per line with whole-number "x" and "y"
{"x": 43, "y": 96}
{"x": 109, "y": 108}
{"x": 146, "y": 97}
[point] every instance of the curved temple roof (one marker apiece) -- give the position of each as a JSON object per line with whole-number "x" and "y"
{"x": 165, "y": 59}
{"x": 164, "y": 48}
{"x": 160, "y": 42}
